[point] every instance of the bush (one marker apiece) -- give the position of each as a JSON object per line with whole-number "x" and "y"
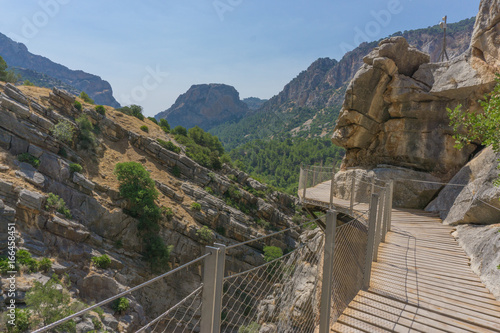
{"x": 101, "y": 261}
{"x": 75, "y": 167}
{"x": 205, "y": 234}
{"x": 153, "y": 120}
{"x": 139, "y": 189}
{"x": 86, "y": 137}
{"x": 179, "y": 130}
{"x": 165, "y": 126}
{"x": 196, "y": 206}
{"x": 253, "y": 327}
{"x": 4, "y": 265}
{"x": 28, "y": 158}
{"x": 7, "y": 75}
{"x": 133, "y": 110}
{"x": 49, "y": 303}
{"x": 45, "y": 265}
{"x": 144, "y": 128}
{"x": 176, "y": 171}
{"x": 169, "y": 145}
{"x": 86, "y": 98}
{"x": 167, "y": 212}
{"x": 22, "y": 322}
{"x": 121, "y": 305}
{"x": 78, "y": 106}
{"x": 64, "y": 131}
{"x": 100, "y": 109}
{"x": 201, "y": 146}
{"x": 23, "y": 257}
{"x": 272, "y": 252}
{"x": 56, "y": 203}
{"x": 28, "y": 83}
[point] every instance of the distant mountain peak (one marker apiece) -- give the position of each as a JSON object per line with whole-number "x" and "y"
{"x": 206, "y": 106}
{"x": 41, "y": 68}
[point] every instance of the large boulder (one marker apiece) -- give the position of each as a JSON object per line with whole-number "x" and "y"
{"x": 481, "y": 245}
{"x": 471, "y": 196}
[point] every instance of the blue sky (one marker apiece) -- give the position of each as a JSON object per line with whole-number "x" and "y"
{"x": 152, "y": 51}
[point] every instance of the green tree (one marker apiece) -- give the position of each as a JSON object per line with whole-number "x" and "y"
{"x": 7, "y": 75}
{"x": 50, "y": 302}
{"x": 133, "y": 110}
{"x": 86, "y": 98}
{"x": 482, "y": 127}
{"x": 64, "y": 131}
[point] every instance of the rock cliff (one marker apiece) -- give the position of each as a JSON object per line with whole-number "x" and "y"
{"x": 17, "y": 55}
{"x": 98, "y": 223}
{"x": 206, "y": 106}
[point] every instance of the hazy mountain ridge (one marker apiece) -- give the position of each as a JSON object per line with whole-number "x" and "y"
{"x": 17, "y": 55}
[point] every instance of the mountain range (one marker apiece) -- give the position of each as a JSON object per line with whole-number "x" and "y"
{"x": 46, "y": 73}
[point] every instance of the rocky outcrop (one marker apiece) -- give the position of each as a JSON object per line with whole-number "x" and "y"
{"x": 480, "y": 242}
{"x": 397, "y": 116}
{"x": 17, "y": 55}
{"x": 471, "y": 196}
{"x": 205, "y": 106}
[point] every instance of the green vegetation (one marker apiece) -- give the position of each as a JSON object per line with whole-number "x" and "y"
{"x": 54, "y": 202}
{"x": 139, "y": 189}
{"x": 165, "y": 126}
{"x": 102, "y": 262}
{"x": 44, "y": 265}
{"x": 201, "y": 146}
{"x": 167, "y": 212}
{"x": 48, "y": 303}
{"x": 169, "y": 145}
{"x": 75, "y": 167}
{"x": 86, "y": 137}
{"x": 272, "y": 252}
{"x": 28, "y": 83}
{"x": 78, "y": 106}
{"x": 253, "y": 327}
{"x": 28, "y": 158}
{"x": 121, "y": 305}
{"x": 100, "y": 109}
{"x": 176, "y": 171}
{"x": 483, "y": 128}
{"x": 144, "y": 128}
{"x": 64, "y": 131}
{"x": 153, "y": 119}
{"x": 205, "y": 234}
{"x": 86, "y": 98}
{"x": 179, "y": 130}
{"x": 133, "y": 110}
{"x": 7, "y": 75}
{"x": 277, "y": 162}
{"x": 195, "y": 206}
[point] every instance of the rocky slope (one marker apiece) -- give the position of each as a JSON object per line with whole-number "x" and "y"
{"x": 17, "y": 55}
{"x": 206, "y": 106}
{"x": 318, "y": 92}
{"x": 99, "y": 224}
{"x": 394, "y": 125}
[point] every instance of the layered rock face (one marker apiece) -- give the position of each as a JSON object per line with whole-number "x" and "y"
{"x": 206, "y": 106}
{"x": 395, "y": 110}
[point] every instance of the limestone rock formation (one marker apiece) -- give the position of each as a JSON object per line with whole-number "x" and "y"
{"x": 206, "y": 106}
{"x": 471, "y": 196}
{"x": 395, "y": 110}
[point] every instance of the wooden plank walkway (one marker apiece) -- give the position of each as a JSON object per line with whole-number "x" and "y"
{"x": 422, "y": 282}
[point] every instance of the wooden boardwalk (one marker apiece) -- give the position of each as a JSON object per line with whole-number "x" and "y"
{"x": 422, "y": 282}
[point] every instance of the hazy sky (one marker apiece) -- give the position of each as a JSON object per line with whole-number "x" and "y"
{"x": 152, "y": 51}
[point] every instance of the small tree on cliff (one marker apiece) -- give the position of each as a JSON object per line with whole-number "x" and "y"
{"x": 7, "y": 75}
{"x": 479, "y": 127}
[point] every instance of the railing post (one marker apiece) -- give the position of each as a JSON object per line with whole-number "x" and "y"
{"x": 378, "y": 230}
{"x": 353, "y": 189}
{"x": 389, "y": 204}
{"x": 331, "y": 189}
{"x": 305, "y": 185}
{"x": 387, "y": 193}
{"x": 326, "y": 287}
{"x": 219, "y": 281}
{"x": 372, "y": 221}
{"x": 211, "y": 293}
{"x": 373, "y": 185}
